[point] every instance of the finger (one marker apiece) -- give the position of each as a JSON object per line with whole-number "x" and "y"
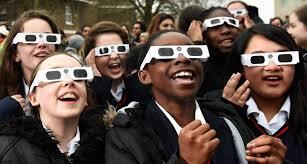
{"x": 264, "y": 140}
{"x": 192, "y": 125}
{"x": 232, "y": 84}
{"x": 228, "y": 89}
{"x": 213, "y": 144}
{"x": 256, "y": 159}
{"x": 201, "y": 129}
{"x": 266, "y": 149}
{"x": 208, "y": 136}
{"x": 238, "y": 93}
{"x": 16, "y": 96}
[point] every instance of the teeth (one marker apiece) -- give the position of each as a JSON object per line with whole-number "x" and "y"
{"x": 69, "y": 96}
{"x": 272, "y": 78}
{"x": 181, "y": 74}
{"x": 114, "y": 64}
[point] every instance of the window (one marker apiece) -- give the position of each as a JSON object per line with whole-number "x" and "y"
{"x": 68, "y": 15}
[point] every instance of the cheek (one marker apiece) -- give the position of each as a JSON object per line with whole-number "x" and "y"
{"x": 252, "y": 73}
{"x": 101, "y": 62}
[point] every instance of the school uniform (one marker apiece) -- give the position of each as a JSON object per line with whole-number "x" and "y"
{"x": 146, "y": 135}
{"x": 131, "y": 89}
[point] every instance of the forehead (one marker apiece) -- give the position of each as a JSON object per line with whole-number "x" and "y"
{"x": 172, "y": 38}
{"x": 236, "y": 6}
{"x": 167, "y": 21}
{"x": 219, "y": 13}
{"x": 108, "y": 39}
{"x": 36, "y": 25}
{"x": 259, "y": 43}
{"x": 59, "y": 61}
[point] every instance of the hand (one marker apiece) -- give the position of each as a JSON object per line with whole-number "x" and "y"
{"x": 248, "y": 22}
{"x": 266, "y": 149}
{"x": 20, "y": 100}
{"x": 90, "y": 60}
{"x": 197, "y": 143}
{"x": 195, "y": 31}
{"x": 238, "y": 96}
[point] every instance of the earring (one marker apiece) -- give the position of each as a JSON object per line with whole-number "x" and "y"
{"x": 147, "y": 82}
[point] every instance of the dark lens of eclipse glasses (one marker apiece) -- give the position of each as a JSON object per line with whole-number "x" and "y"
{"x": 195, "y": 51}
{"x": 51, "y": 38}
{"x": 53, "y": 75}
{"x": 121, "y": 48}
{"x": 80, "y": 73}
{"x": 284, "y": 58}
{"x": 30, "y": 38}
{"x": 166, "y": 52}
{"x": 257, "y": 59}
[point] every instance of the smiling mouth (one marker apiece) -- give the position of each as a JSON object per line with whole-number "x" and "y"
{"x": 114, "y": 65}
{"x": 68, "y": 97}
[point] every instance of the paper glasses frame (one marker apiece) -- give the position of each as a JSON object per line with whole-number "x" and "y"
{"x": 40, "y": 37}
{"x": 41, "y": 75}
{"x": 111, "y": 49}
{"x": 153, "y": 53}
{"x": 270, "y": 56}
{"x": 207, "y": 22}
{"x": 239, "y": 12}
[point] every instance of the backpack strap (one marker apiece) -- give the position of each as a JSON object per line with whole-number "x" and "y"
{"x": 9, "y": 147}
{"x": 238, "y": 141}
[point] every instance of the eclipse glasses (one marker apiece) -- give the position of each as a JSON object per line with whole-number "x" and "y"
{"x": 217, "y": 21}
{"x": 171, "y": 52}
{"x": 60, "y": 74}
{"x": 107, "y": 50}
{"x": 263, "y": 59}
{"x": 30, "y": 38}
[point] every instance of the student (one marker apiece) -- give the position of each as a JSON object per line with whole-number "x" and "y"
{"x": 174, "y": 83}
{"x": 220, "y": 38}
{"x": 161, "y": 22}
{"x": 268, "y": 58}
{"x": 64, "y": 128}
{"x": 20, "y": 56}
{"x": 106, "y": 47}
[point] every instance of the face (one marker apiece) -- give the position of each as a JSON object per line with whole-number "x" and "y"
{"x": 114, "y": 65}
{"x": 276, "y": 22}
{"x": 177, "y": 79}
{"x": 50, "y": 96}
{"x": 85, "y": 30}
{"x": 29, "y": 55}
{"x": 221, "y": 38}
{"x": 166, "y": 24}
{"x": 271, "y": 81}
{"x": 136, "y": 29}
{"x": 298, "y": 31}
{"x": 238, "y": 6}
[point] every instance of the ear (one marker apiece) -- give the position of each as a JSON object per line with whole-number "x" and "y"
{"x": 144, "y": 77}
{"x": 16, "y": 57}
{"x": 32, "y": 99}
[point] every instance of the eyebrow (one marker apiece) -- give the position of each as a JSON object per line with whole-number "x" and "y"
{"x": 280, "y": 50}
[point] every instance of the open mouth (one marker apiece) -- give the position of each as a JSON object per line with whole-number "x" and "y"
{"x": 227, "y": 42}
{"x": 184, "y": 77}
{"x": 68, "y": 97}
{"x": 114, "y": 65}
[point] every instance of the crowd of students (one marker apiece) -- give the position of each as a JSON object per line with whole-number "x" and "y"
{"x": 220, "y": 87}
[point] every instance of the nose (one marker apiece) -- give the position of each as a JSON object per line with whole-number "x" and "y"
{"x": 113, "y": 55}
{"x": 181, "y": 59}
{"x": 225, "y": 29}
{"x": 68, "y": 82}
{"x": 41, "y": 44}
{"x": 272, "y": 67}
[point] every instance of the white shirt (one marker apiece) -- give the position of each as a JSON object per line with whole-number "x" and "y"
{"x": 198, "y": 116}
{"x": 27, "y": 108}
{"x": 119, "y": 91}
{"x": 72, "y": 145}
{"x": 276, "y": 122}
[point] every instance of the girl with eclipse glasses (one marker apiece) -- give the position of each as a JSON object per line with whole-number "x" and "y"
{"x": 106, "y": 47}
{"x": 33, "y": 37}
{"x": 267, "y": 59}
{"x": 64, "y": 128}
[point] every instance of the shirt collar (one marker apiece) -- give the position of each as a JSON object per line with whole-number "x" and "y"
{"x": 253, "y": 108}
{"x": 72, "y": 145}
{"x": 119, "y": 91}
{"x": 198, "y": 116}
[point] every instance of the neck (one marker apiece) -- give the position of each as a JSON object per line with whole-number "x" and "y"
{"x": 63, "y": 130}
{"x": 115, "y": 84}
{"x": 27, "y": 75}
{"x": 183, "y": 111}
{"x": 270, "y": 107}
